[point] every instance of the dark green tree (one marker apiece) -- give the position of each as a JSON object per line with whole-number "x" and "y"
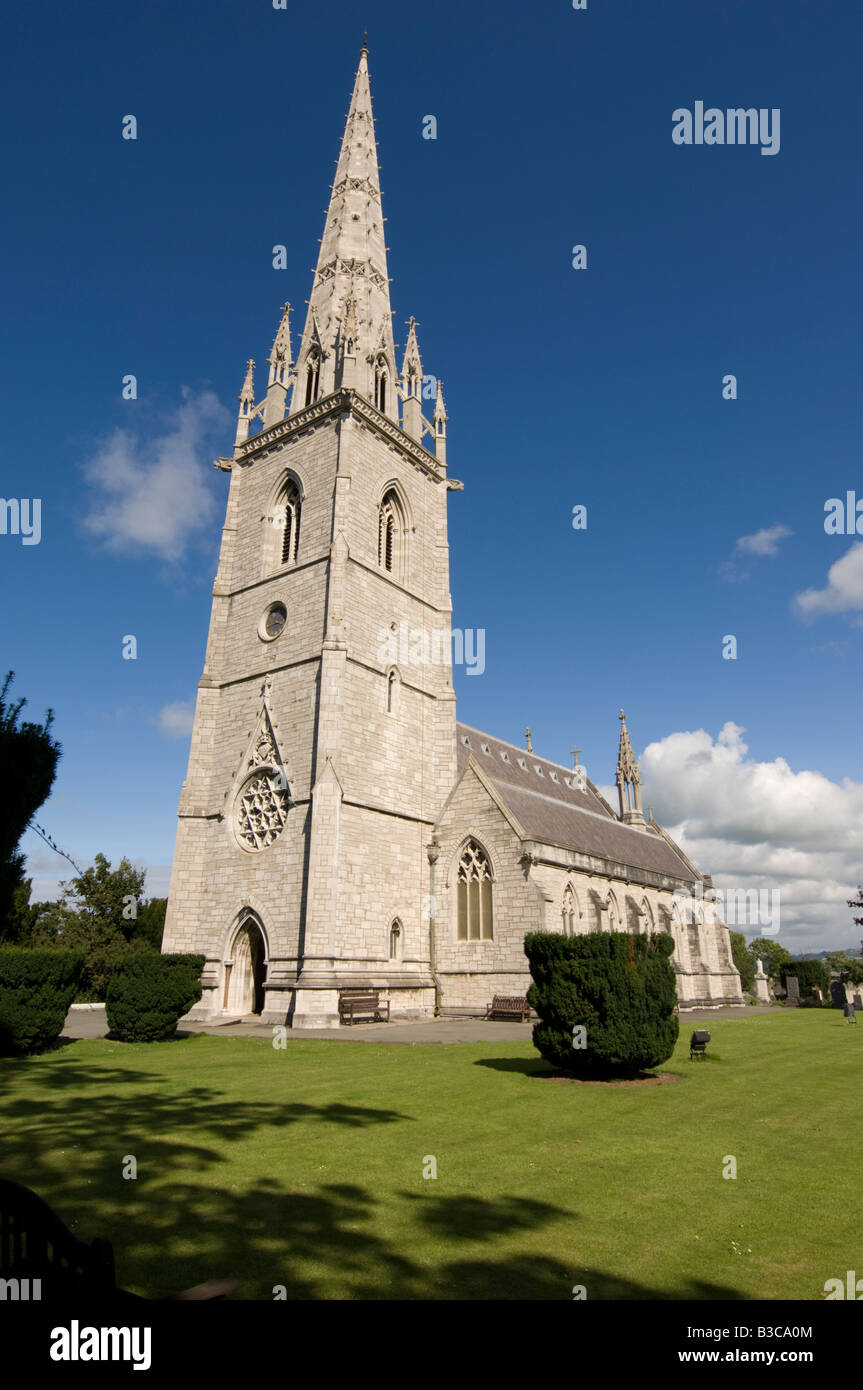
{"x": 850, "y": 967}
{"x": 809, "y": 974}
{"x": 743, "y": 960}
{"x": 28, "y": 766}
{"x": 619, "y": 989}
{"x": 771, "y": 953}
{"x": 150, "y": 923}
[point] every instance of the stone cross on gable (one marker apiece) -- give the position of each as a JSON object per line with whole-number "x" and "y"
{"x": 575, "y": 752}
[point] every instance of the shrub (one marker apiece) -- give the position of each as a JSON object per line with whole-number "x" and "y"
{"x": 148, "y": 993}
{"x": 809, "y": 973}
{"x": 621, "y": 988}
{"x": 36, "y": 989}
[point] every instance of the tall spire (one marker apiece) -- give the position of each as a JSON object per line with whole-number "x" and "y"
{"x": 352, "y": 266}
{"x": 628, "y": 780}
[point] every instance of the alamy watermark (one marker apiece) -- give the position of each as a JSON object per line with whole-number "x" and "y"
{"x": 21, "y": 517}
{"x": 403, "y": 646}
{"x": 736, "y": 907}
{"x": 734, "y": 126}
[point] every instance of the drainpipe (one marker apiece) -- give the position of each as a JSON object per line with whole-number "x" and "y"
{"x": 433, "y": 850}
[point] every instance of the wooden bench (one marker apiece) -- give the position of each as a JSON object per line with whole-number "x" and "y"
{"x": 509, "y": 1006}
{"x": 50, "y": 1264}
{"x": 362, "y": 1003}
{"x": 698, "y": 1043}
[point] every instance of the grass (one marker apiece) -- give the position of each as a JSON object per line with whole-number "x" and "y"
{"x": 303, "y": 1167}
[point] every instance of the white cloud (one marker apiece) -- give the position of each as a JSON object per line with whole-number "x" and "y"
{"x": 176, "y": 719}
{"x": 155, "y": 494}
{"x": 763, "y": 542}
{"x": 844, "y": 591}
{"x": 763, "y": 825}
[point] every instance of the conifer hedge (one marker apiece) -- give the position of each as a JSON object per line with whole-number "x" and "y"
{"x": 619, "y": 988}
{"x": 149, "y": 993}
{"x": 36, "y": 989}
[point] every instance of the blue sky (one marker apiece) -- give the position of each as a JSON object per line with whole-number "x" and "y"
{"x": 600, "y": 386}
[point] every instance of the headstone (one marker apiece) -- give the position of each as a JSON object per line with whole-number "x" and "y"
{"x": 792, "y": 986}
{"x": 762, "y": 988}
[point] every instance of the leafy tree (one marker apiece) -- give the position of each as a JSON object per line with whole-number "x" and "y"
{"x": 850, "y": 967}
{"x": 22, "y": 916}
{"x": 771, "y": 953}
{"x": 97, "y": 913}
{"x": 743, "y": 960}
{"x": 809, "y": 973}
{"x": 150, "y": 923}
{"x": 28, "y": 766}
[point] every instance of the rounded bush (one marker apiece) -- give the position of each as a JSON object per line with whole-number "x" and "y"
{"x": 619, "y": 989}
{"x": 36, "y": 989}
{"x": 149, "y": 993}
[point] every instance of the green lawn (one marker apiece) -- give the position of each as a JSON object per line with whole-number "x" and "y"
{"x": 303, "y": 1167}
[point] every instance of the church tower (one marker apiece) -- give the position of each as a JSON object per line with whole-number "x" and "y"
{"x": 324, "y": 740}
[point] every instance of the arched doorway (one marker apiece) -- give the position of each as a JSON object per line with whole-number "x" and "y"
{"x": 246, "y": 971}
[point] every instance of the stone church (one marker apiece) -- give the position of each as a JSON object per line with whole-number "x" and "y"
{"x": 337, "y": 826}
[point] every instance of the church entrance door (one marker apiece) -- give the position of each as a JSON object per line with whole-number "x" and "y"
{"x": 248, "y": 968}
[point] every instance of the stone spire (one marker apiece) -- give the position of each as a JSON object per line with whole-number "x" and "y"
{"x": 351, "y": 274}
{"x": 412, "y": 384}
{"x": 247, "y": 403}
{"x": 628, "y": 780}
{"x": 440, "y": 418}
{"x": 280, "y": 367}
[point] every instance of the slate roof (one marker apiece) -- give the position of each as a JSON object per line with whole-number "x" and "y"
{"x": 549, "y": 807}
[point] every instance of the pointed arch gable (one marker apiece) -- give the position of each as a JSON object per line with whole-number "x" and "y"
{"x": 570, "y": 909}
{"x": 612, "y": 907}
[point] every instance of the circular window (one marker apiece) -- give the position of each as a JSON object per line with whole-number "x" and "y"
{"x": 262, "y": 809}
{"x": 273, "y": 621}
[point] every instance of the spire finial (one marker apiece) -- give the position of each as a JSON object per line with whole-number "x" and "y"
{"x": 365, "y": 47}
{"x": 529, "y": 744}
{"x": 575, "y": 752}
{"x": 628, "y": 779}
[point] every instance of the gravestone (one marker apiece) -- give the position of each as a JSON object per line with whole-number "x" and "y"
{"x": 792, "y": 987}
{"x": 762, "y": 987}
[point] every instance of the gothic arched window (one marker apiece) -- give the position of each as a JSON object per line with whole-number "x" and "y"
{"x": 288, "y": 516}
{"x": 390, "y": 531}
{"x": 396, "y": 940}
{"x": 474, "y": 888}
{"x": 313, "y": 376}
{"x": 569, "y": 911}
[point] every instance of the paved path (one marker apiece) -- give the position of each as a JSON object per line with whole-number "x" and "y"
{"x": 90, "y": 1023}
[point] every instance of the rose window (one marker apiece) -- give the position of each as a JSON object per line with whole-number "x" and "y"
{"x": 262, "y": 809}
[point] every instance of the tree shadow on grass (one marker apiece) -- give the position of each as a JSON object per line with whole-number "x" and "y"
{"x": 177, "y": 1225}
{"x": 528, "y": 1066}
